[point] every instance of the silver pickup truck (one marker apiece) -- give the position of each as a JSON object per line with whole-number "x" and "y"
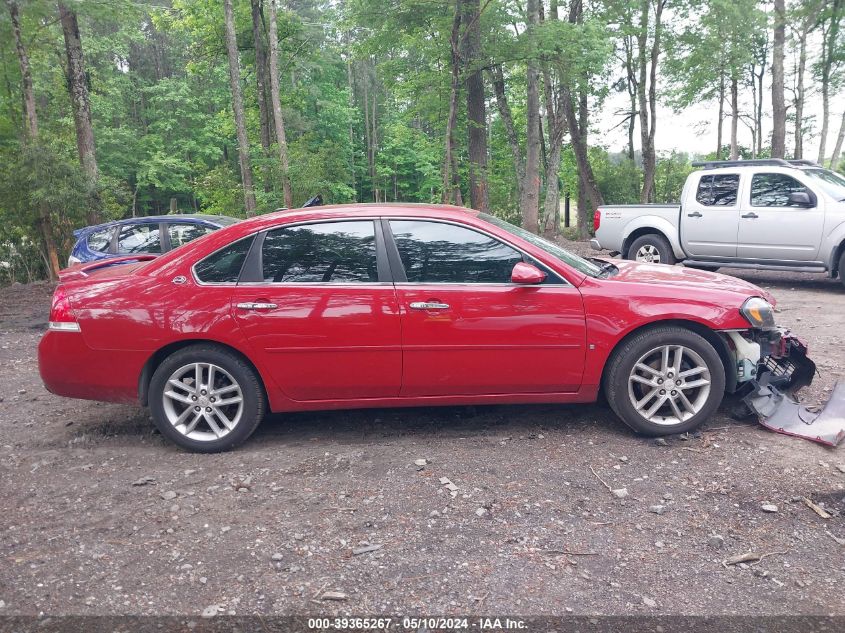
{"x": 767, "y": 214}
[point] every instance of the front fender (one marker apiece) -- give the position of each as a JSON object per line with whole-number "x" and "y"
{"x": 833, "y": 244}
{"x": 656, "y": 224}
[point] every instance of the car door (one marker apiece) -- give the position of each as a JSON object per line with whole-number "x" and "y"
{"x": 318, "y": 307}
{"x": 710, "y": 219}
{"x": 179, "y": 233}
{"x": 466, "y": 329}
{"x": 773, "y": 229}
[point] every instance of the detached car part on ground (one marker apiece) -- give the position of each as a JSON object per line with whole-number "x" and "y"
{"x": 411, "y": 305}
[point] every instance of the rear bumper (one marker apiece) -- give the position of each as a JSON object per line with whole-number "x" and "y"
{"x": 70, "y": 368}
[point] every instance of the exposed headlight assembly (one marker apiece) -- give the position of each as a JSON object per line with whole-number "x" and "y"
{"x": 759, "y": 313}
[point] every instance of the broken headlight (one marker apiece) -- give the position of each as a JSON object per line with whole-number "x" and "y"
{"x": 759, "y": 313}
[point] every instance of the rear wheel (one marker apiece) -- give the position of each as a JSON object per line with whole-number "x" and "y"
{"x": 206, "y": 399}
{"x": 665, "y": 380}
{"x": 651, "y": 249}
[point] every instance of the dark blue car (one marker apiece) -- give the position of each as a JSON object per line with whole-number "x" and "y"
{"x": 154, "y": 234}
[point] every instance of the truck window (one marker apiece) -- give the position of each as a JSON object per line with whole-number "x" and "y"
{"x": 772, "y": 190}
{"x": 718, "y": 190}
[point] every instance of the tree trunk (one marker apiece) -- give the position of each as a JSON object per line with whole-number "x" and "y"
{"x": 579, "y": 148}
{"x": 734, "y": 117}
{"x": 631, "y": 83}
{"x": 30, "y": 115}
{"x": 275, "y": 98}
{"x": 262, "y": 80}
{"x": 78, "y": 86}
{"x": 451, "y": 119}
{"x": 529, "y": 205}
{"x": 476, "y": 108}
{"x": 837, "y": 149}
{"x": 800, "y": 90}
{"x": 721, "y": 121}
{"x": 647, "y": 61}
{"x": 829, "y": 43}
{"x": 238, "y": 108}
{"x": 510, "y": 130}
{"x": 778, "y": 102}
{"x": 45, "y": 222}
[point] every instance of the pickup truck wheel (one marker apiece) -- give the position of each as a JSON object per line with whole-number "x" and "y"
{"x": 651, "y": 249}
{"x": 665, "y": 380}
{"x": 842, "y": 267}
{"x": 205, "y": 399}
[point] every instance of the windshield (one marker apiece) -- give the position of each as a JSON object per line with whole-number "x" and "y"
{"x": 578, "y": 263}
{"x": 830, "y": 182}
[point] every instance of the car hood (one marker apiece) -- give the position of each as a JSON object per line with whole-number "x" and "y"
{"x": 689, "y": 278}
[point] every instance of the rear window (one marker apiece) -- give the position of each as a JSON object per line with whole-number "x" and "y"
{"x": 718, "y": 190}
{"x": 100, "y": 240}
{"x": 224, "y": 266}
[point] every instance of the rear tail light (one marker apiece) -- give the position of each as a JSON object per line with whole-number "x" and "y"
{"x": 62, "y": 317}
{"x": 596, "y": 220}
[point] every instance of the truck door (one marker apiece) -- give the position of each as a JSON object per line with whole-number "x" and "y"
{"x": 772, "y": 228}
{"x": 709, "y": 219}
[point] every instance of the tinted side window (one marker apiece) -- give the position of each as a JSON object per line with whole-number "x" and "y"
{"x": 434, "y": 252}
{"x": 718, "y": 190}
{"x": 772, "y": 190}
{"x": 100, "y": 240}
{"x": 139, "y": 238}
{"x": 224, "y": 266}
{"x": 183, "y": 233}
{"x": 327, "y": 252}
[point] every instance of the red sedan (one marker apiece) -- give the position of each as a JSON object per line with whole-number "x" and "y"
{"x": 398, "y": 305}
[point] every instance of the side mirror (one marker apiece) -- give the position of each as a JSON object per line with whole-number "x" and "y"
{"x": 801, "y": 199}
{"x": 527, "y": 274}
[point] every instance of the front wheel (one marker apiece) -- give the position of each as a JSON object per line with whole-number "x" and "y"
{"x": 842, "y": 268}
{"x": 651, "y": 249}
{"x": 206, "y": 399}
{"x": 664, "y": 381}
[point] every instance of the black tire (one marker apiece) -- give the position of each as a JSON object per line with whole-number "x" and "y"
{"x": 621, "y": 364}
{"x": 657, "y": 243}
{"x": 842, "y": 268}
{"x": 254, "y": 399}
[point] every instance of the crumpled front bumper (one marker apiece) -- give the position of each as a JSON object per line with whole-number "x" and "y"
{"x": 771, "y": 395}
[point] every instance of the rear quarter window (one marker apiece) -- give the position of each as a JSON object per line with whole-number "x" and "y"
{"x": 224, "y": 266}
{"x": 100, "y": 240}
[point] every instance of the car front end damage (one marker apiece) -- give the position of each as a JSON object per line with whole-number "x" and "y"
{"x": 771, "y": 367}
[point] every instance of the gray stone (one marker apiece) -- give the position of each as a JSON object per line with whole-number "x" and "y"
{"x": 769, "y": 507}
{"x": 168, "y": 496}
{"x": 481, "y": 512}
{"x": 649, "y": 602}
{"x": 620, "y": 493}
{"x": 333, "y": 595}
{"x": 365, "y": 549}
{"x": 657, "y": 509}
{"x": 716, "y": 541}
{"x": 277, "y": 556}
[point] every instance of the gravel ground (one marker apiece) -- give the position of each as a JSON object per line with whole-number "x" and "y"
{"x": 100, "y": 516}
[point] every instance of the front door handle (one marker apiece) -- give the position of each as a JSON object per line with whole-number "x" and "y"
{"x": 751, "y": 215}
{"x": 429, "y": 305}
{"x": 256, "y": 305}
{"x": 694, "y": 214}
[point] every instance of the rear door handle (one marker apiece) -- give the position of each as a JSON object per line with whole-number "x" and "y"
{"x": 694, "y": 214}
{"x": 751, "y": 215}
{"x": 257, "y": 305}
{"x": 429, "y": 305}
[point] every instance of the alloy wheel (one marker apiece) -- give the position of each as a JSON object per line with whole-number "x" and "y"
{"x": 669, "y": 384}
{"x": 203, "y": 401}
{"x": 648, "y": 254}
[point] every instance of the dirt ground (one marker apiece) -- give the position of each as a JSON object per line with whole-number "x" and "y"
{"x": 99, "y": 515}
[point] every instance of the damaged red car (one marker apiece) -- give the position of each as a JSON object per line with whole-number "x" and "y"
{"x": 405, "y": 305}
